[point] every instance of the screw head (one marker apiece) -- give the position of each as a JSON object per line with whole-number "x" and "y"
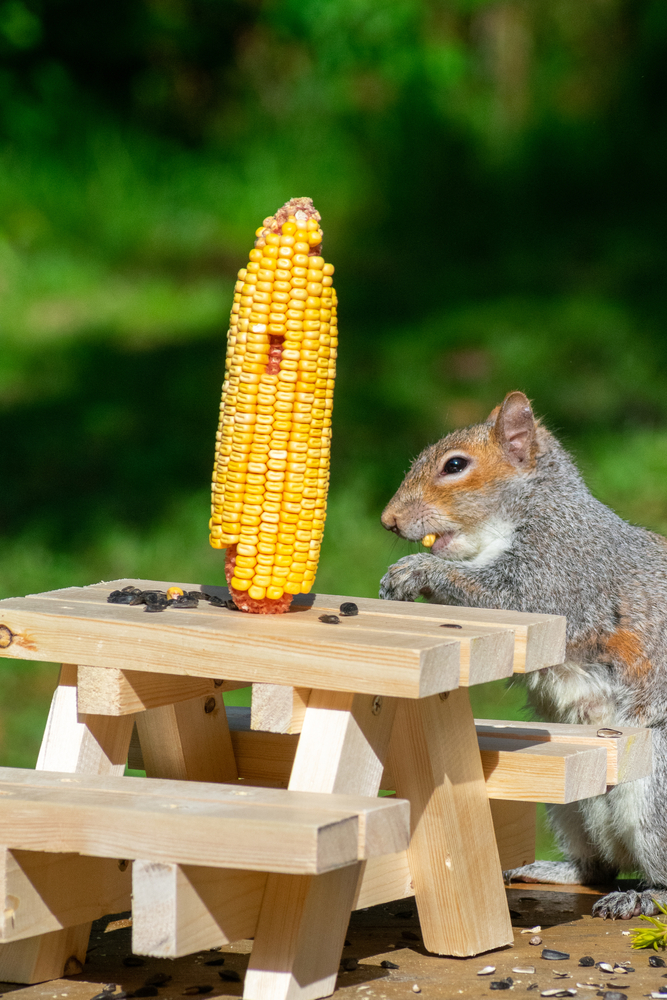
{"x": 377, "y": 705}
{"x": 209, "y": 705}
{"x": 443, "y": 696}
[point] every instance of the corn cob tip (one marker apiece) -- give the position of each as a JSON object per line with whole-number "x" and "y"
{"x": 428, "y": 540}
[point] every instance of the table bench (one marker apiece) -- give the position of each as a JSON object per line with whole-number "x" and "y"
{"x": 381, "y": 694}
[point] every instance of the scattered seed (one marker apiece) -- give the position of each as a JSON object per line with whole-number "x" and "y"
{"x": 605, "y": 967}
{"x": 133, "y": 960}
{"x": 621, "y": 970}
{"x": 562, "y": 975}
{"x": 487, "y": 970}
{"x": 656, "y": 963}
{"x": 609, "y": 734}
{"x": 146, "y": 991}
{"x": 527, "y": 970}
{"x": 103, "y": 996}
{"x": 229, "y": 975}
{"x": 193, "y": 991}
{"x": 531, "y": 930}
{"x": 348, "y": 609}
{"x": 215, "y": 961}
{"x": 217, "y": 602}
{"x": 159, "y": 979}
{"x": 558, "y": 993}
{"x": 587, "y": 961}
{"x": 349, "y": 964}
{"x": 448, "y": 625}
{"x": 153, "y": 609}
{"x": 535, "y": 940}
{"x": 614, "y": 995}
{"x": 329, "y": 619}
{"x": 624, "y": 965}
{"x": 385, "y": 964}
{"x": 501, "y": 984}
{"x": 554, "y": 956}
{"x": 416, "y": 989}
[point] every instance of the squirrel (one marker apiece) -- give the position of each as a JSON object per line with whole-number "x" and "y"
{"x": 517, "y": 528}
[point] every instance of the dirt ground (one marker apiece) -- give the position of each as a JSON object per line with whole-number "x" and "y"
{"x": 391, "y": 933}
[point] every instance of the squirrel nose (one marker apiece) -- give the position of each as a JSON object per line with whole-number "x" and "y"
{"x": 389, "y": 522}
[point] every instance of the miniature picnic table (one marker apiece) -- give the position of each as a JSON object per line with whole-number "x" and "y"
{"x": 376, "y": 701}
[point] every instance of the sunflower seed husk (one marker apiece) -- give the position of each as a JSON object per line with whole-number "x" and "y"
{"x": 551, "y": 955}
{"x": 487, "y": 970}
{"x": 526, "y": 970}
{"x": 535, "y": 940}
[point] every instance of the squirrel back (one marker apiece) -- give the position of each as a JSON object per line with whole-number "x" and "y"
{"x": 517, "y": 528}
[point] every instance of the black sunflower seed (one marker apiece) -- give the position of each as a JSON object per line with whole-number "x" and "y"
{"x": 229, "y": 976}
{"x": 329, "y": 619}
{"x": 348, "y": 609}
{"x": 386, "y": 964}
{"x": 554, "y": 956}
{"x": 587, "y": 961}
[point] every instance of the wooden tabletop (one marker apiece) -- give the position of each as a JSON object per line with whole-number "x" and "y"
{"x": 392, "y": 648}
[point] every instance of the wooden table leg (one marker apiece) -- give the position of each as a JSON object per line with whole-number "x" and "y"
{"x": 188, "y": 741}
{"x": 92, "y": 744}
{"x": 436, "y": 764}
{"x": 303, "y": 919}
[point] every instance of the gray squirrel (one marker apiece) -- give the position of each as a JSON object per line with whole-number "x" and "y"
{"x": 517, "y": 528}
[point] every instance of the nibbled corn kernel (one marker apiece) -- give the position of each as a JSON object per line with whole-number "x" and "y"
{"x": 428, "y": 540}
{"x": 271, "y": 471}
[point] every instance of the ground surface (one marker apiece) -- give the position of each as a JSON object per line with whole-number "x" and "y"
{"x": 392, "y": 933}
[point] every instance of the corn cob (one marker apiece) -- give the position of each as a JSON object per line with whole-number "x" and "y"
{"x": 271, "y": 471}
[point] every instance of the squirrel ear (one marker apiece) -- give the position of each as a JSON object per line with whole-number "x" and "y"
{"x": 515, "y": 428}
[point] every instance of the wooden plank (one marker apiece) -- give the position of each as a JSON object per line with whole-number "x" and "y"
{"x": 542, "y": 772}
{"x": 383, "y": 880}
{"x": 435, "y": 763}
{"x": 49, "y": 892}
{"x": 302, "y": 922}
{"x": 124, "y": 692}
{"x": 252, "y": 648}
{"x": 67, "y": 989}
{"x": 278, "y": 709}
{"x": 540, "y": 638}
{"x": 180, "y": 909}
{"x": 383, "y": 822}
{"x": 71, "y": 743}
{"x": 188, "y": 741}
{"x": 64, "y": 950}
{"x": 265, "y": 758}
{"x": 515, "y": 827}
{"x": 629, "y": 756}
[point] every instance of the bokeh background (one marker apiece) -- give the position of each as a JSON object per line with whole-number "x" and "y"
{"x": 491, "y": 177}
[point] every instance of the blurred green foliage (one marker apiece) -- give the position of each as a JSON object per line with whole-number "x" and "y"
{"x": 491, "y": 180}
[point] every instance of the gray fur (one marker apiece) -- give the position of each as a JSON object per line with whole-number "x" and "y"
{"x": 567, "y": 554}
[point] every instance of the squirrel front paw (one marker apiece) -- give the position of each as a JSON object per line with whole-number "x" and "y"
{"x": 407, "y": 579}
{"x": 624, "y": 905}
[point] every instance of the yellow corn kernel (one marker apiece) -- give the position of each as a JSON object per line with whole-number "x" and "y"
{"x": 428, "y": 540}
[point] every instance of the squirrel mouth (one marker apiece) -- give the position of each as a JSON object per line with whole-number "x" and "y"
{"x": 442, "y": 542}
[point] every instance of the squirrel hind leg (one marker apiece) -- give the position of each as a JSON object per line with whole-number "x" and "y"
{"x": 576, "y": 872}
{"x": 625, "y": 905}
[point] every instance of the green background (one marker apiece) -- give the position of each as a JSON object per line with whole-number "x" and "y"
{"x": 491, "y": 179}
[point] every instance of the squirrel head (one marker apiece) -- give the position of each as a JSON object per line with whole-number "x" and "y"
{"x": 461, "y": 488}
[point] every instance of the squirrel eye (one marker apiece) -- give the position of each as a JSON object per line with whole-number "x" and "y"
{"x": 456, "y": 464}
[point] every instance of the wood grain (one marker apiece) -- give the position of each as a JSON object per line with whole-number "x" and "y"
{"x": 435, "y": 762}
{"x": 629, "y": 756}
{"x": 542, "y": 772}
{"x": 48, "y": 892}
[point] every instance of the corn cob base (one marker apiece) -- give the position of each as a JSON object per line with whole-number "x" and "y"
{"x": 271, "y": 471}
